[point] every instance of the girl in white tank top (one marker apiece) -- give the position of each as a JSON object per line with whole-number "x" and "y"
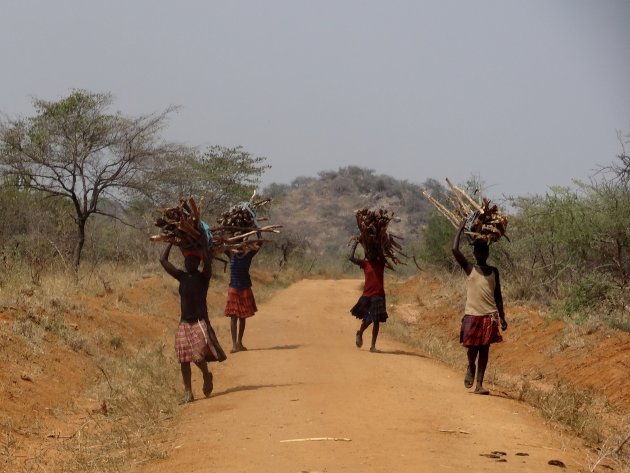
{"x": 483, "y": 312}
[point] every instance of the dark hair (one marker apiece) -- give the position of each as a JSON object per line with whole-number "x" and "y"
{"x": 191, "y": 260}
{"x": 480, "y": 245}
{"x": 372, "y": 253}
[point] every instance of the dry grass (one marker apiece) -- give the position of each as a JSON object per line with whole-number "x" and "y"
{"x": 561, "y": 404}
{"x": 580, "y": 411}
{"x": 431, "y": 342}
{"x": 583, "y": 413}
{"x": 137, "y": 390}
{"x": 137, "y": 396}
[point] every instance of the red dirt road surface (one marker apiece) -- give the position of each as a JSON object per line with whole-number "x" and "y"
{"x": 303, "y": 378}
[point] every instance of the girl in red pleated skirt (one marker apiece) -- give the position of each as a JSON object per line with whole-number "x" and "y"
{"x": 240, "y": 304}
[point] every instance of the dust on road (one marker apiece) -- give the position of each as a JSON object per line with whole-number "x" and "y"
{"x": 303, "y": 377}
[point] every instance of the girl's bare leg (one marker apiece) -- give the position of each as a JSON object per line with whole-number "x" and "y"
{"x": 207, "y": 378}
{"x": 374, "y": 336}
{"x": 186, "y": 378}
{"x": 233, "y": 322}
{"x": 359, "y": 335}
{"x": 484, "y": 352}
{"x": 469, "y": 379}
{"x": 241, "y": 331}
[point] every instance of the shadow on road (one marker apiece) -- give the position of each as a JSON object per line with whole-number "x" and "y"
{"x": 401, "y": 352}
{"x": 249, "y": 388}
{"x": 278, "y": 347}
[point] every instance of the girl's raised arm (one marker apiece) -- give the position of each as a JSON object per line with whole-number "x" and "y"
{"x": 166, "y": 264}
{"x": 459, "y": 256}
{"x": 352, "y": 256}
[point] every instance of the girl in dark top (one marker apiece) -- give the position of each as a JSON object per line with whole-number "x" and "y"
{"x": 240, "y": 303}
{"x": 370, "y": 307}
{"x": 483, "y": 311}
{"x": 195, "y": 340}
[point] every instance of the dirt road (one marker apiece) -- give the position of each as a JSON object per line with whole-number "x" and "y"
{"x": 304, "y": 378}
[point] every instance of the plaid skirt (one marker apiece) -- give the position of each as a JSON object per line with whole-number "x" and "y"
{"x": 197, "y": 342}
{"x": 241, "y": 303}
{"x": 479, "y": 330}
{"x": 370, "y": 309}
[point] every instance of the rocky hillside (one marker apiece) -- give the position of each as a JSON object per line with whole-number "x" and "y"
{"x": 318, "y": 212}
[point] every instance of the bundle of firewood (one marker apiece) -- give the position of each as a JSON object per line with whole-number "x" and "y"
{"x": 484, "y": 221}
{"x": 243, "y": 216}
{"x": 374, "y": 237}
{"x": 239, "y": 224}
{"x": 181, "y": 225}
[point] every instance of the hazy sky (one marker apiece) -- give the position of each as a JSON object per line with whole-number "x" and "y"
{"x": 526, "y": 94}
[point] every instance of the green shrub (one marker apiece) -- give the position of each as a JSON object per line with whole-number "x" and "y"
{"x": 437, "y": 238}
{"x": 116, "y": 342}
{"x": 591, "y": 290}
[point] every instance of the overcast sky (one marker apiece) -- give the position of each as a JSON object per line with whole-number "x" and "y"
{"x": 527, "y": 94}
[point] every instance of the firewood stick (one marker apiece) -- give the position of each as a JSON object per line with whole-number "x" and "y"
{"x": 160, "y": 238}
{"x": 267, "y": 228}
{"x": 261, "y": 202}
{"x": 456, "y": 193}
{"x": 194, "y": 208}
{"x": 318, "y": 439}
{"x": 457, "y": 207}
{"x": 442, "y": 209}
{"x": 457, "y": 190}
{"x": 188, "y": 228}
{"x": 244, "y": 235}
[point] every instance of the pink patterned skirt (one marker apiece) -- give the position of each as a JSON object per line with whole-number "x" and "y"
{"x": 196, "y": 342}
{"x": 240, "y": 303}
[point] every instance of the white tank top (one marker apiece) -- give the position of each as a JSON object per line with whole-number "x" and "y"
{"x": 480, "y": 293}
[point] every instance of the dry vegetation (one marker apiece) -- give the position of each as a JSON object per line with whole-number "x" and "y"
{"x": 88, "y": 377}
{"x": 125, "y": 392}
{"x": 87, "y": 374}
{"x": 576, "y": 377}
{"x": 83, "y": 390}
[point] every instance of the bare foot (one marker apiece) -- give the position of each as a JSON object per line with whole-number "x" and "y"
{"x": 373, "y": 350}
{"x": 207, "y": 384}
{"x": 188, "y": 397}
{"x": 481, "y": 390}
{"x": 240, "y": 347}
{"x": 359, "y": 339}
{"x": 470, "y": 377}
{"x": 234, "y": 350}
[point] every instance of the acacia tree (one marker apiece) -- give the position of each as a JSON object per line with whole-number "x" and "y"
{"x": 221, "y": 175}
{"x": 75, "y": 149}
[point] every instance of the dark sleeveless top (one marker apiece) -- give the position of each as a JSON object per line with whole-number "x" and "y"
{"x": 239, "y": 270}
{"x": 193, "y": 289}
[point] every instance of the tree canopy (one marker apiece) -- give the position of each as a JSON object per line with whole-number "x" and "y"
{"x": 75, "y": 149}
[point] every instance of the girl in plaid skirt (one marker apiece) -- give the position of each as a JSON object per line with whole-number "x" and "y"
{"x": 195, "y": 340}
{"x": 484, "y": 310}
{"x": 370, "y": 307}
{"x": 240, "y": 304}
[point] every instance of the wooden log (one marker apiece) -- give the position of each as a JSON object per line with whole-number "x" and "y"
{"x": 484, "y": 220}
{"x": 460, "y": 192}
{"x": 443, "y": 210}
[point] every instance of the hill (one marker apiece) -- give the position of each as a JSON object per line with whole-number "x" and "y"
{"x": 318, "y": 212}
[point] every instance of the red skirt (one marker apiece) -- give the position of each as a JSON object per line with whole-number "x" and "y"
{"x": 197, "y": 342}
{"x": 240, "y": 303}
{"x": 479, "y": 330}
